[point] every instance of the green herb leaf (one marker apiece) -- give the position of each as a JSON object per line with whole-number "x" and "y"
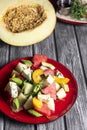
{"x": 18, "y": 81}
{"x": 78, "y": 10}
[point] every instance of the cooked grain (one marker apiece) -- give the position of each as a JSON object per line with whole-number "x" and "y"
{"x": 24, "y": 17}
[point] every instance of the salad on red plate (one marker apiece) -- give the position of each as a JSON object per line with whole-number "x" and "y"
{"x": 35, "y": 85}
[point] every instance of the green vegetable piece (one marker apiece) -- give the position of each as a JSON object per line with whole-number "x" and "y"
{"x": 39, "y": 92}
{"x": 65, "y": 87}
{"x": 78, "y": 10}
{"x": 16, "y": 103}
{"x": 17, "y": 81}
{"x": 37, "y": 88}
{"x": 34, "y": 113}
{"x": 28, "y": 63}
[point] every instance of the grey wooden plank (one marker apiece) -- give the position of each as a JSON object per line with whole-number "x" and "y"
{"x": 68, "y": 55}
{"x": 19, "y": 52}
{"x": 1, "y": 121}
{"x": 47, "y": 47}
{"x": 55, "y": 125}
{"x": 15, "y": 125}
{"x": 81, "y": 32}
{"x": 4, "y": 51}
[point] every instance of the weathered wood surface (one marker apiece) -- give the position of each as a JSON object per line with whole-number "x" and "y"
{"x": 68, "y": 45}
{"x": 69, "y": 55}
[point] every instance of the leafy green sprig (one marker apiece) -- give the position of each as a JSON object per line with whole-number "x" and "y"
{"x": 78, "y": 10}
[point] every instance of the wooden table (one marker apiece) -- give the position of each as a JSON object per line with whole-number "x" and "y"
{"x": 68, "y": 45}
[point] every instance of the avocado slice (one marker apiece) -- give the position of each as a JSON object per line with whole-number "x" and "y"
{"x": 18, "y": 81}
{"x": 34, "y": 113}
{"x": 28, "y": 63}
{"x": 16, "y": 103}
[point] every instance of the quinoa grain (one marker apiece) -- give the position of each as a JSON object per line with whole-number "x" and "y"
{"x": 24, "y": 17}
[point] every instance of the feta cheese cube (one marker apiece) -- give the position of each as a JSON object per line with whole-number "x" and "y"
{"x": 61, "y": 94}
{"x": 43, "y": 67}
{"x": 51, "y": 104}
{"x": 49, "y": 79}
{"x": 20, "y": 67}
{"x": 57, "y": 86}
{"x": 13, "y": 89}
{"x": 27, "y": 73}
{"x": 44, "y": 97}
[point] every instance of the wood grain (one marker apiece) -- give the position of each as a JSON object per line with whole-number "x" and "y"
{"x": 15, "y": 125}
{"x": 46, "y": 47}
{"x": 81, "y": 33}
{"x": 4, "y": 59}
{"x": 18, "y": 52}
{"x": 4, "y": 54}
{"x": 68, "y": 54}
{"x": 1, "y": 121}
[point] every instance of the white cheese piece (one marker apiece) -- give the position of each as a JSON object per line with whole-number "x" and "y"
{"x": 27, "y": 73}
{"x": 57, "y": 86}
{"x": 13, "y": 89}
{"x": 51, "y": 104}
{"x": 44, "y": 97}
{"x": 49, "y": 79}
{"x": 21, "y": 67}
{"x": 43, "y": 67}
{"x": 61, "y": 94}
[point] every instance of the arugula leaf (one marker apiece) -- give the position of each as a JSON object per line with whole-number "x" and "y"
{"x": 78, "y": 10}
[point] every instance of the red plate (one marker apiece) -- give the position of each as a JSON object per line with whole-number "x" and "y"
{"x": 62, "y": 106}
{"x": 66, "y": 19}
